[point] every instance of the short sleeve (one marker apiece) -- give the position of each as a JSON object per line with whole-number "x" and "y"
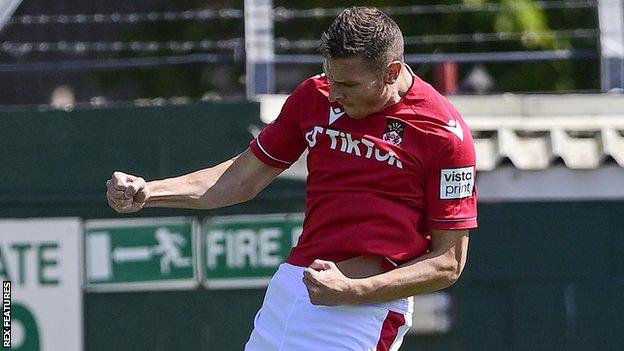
{"x": 281, "y": 142}
{"x": 451, "y": 185}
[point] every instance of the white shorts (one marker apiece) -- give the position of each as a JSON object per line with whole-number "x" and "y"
{"x": 288, "y": 321}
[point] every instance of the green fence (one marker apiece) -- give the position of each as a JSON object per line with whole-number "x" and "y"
{"x": 540, "y": 276}
{"x": 55, "y": 163}
{"x": 545, "y": 276}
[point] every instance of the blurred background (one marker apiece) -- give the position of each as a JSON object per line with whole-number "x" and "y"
{"x": 160, "y": 88}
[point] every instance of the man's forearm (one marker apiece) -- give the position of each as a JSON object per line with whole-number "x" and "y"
{"x": 434, "y": 271}
{"x": 203, "y": 189}
{"x": 424, "y": 275}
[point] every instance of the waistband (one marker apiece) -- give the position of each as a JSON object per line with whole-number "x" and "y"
{"x": 292, "y": 277}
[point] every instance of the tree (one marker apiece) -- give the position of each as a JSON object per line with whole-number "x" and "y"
{"x": 535, "y": 25}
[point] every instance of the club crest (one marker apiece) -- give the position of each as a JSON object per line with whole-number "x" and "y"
{"x": 394, "y": 132}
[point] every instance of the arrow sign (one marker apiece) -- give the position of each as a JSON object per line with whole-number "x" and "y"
{"x": 132, "y": 254}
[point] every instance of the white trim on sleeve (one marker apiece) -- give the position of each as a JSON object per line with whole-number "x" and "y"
{"x": 453, "y": 220}
{"x": 269, "y": 155}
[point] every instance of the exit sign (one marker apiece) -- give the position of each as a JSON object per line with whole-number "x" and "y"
{"x": 140, "y": 254}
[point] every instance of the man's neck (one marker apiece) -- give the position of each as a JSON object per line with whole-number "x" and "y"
{"x": 401, "y": 86}
{"x": 405, "y": 81}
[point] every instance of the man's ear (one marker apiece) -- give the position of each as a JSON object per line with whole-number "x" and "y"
{"x": 392, "y": 71}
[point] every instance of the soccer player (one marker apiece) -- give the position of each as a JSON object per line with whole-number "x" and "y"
{"x": 390, "y": 194}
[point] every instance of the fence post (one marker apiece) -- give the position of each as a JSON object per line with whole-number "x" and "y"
{"x": 611, "y": 21}
{"x": 6, "y": 10}
{"x": 260, "y": 55}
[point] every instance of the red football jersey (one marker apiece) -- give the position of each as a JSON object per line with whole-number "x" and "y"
{"x": 377, "y": 185}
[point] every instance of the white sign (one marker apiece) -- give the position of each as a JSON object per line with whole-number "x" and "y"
{"x": 42, "y": 258}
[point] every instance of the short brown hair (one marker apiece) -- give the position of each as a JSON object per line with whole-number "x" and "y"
{"x": 363, "y": 31}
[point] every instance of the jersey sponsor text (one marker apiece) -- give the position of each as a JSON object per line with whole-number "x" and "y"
{"x": 345, "y": 142}
{"x": 456, "y": 183}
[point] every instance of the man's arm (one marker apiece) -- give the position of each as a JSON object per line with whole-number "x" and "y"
{"x": 436, "y": 270}
{"x": 234, "y": 181}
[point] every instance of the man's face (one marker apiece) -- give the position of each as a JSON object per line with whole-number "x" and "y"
{"x": 357, "y": 87}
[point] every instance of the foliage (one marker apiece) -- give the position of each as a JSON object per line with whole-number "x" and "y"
{"x": 516, "y": 16}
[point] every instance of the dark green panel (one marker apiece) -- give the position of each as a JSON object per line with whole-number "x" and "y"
{"x": 542, "y": 240}
{"x": 539, "y": 317}
{"x": 70, "y": 155}
{"x": 560, "y": 264}
{"x": 599, "y": 312}
{"x": 434, "y": 342}
{"x": 56, "y": 163}
{"x": 484, "y": 316}
{"x": 170, "y": 321}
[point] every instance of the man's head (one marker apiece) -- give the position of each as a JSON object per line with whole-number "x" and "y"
{"x": 363, "y": 56}
{"x": 365, "y": 32}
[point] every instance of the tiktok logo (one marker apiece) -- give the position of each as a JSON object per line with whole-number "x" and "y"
{"x": 345, "y": 142}
{"x": 311, "y": 135}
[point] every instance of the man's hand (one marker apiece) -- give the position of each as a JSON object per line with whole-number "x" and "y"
{"x": 327, "y": 285}
{"x": 126, "y": 193}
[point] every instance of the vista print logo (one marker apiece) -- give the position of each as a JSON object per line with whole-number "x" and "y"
{"x": 456, "y": 183}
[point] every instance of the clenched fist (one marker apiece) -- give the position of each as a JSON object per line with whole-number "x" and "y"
{"x": 126, "y": 193}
